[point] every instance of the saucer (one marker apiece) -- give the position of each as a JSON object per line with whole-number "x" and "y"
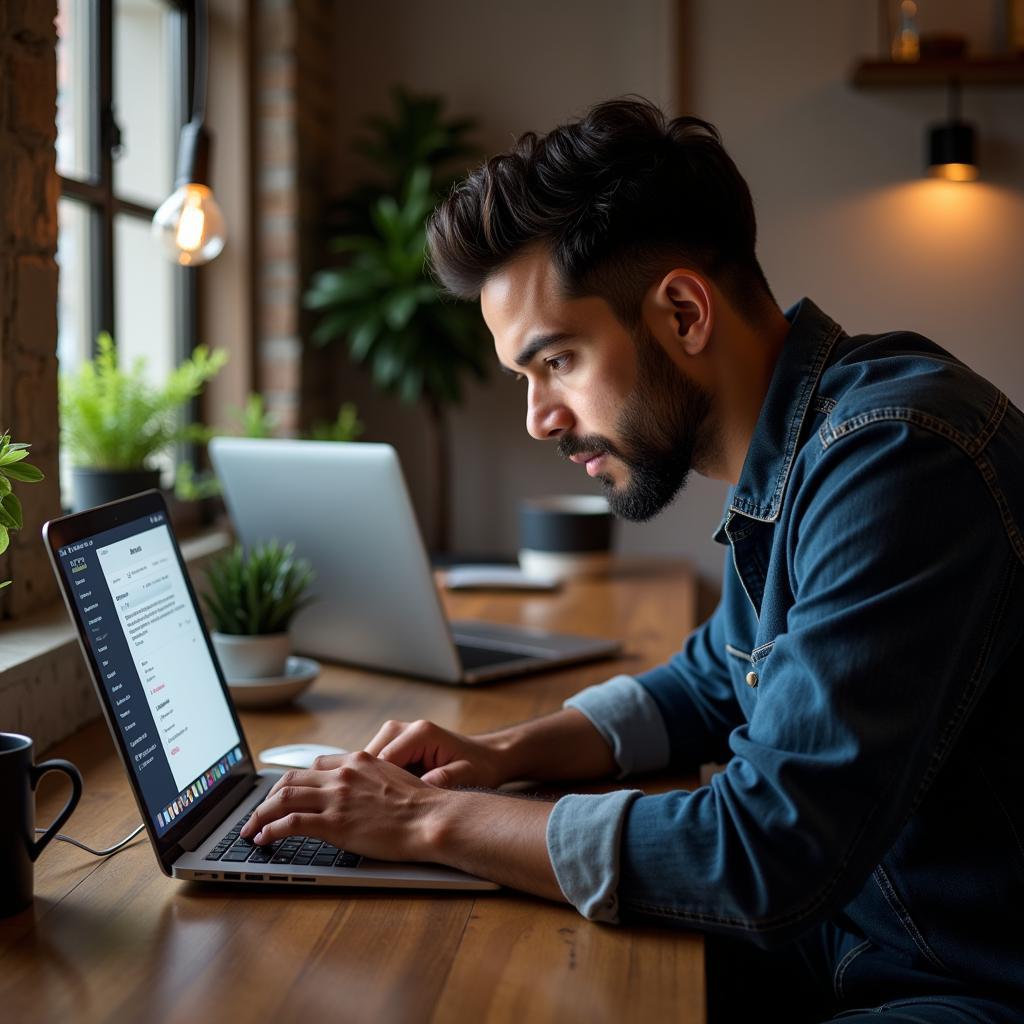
{"x": 260, "y": 693}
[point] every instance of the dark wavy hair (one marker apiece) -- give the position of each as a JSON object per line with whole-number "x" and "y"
{"x": 618, "y": 198}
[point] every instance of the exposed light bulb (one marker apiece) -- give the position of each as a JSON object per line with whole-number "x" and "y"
{"x": 190, "y": 225}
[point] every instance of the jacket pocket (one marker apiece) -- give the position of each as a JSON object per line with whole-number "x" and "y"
{"x": 735, "y": 652}
{"x": 742, "y": 666}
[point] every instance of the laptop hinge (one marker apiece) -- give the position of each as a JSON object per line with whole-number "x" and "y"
{"x": 195, "y": 837}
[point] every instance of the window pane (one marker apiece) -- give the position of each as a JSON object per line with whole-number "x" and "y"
{"x": 74, "y": 299}
{"x": 76, "y": 76}
{"x": 145, "y": 100}
{"x": 144, "y": 286}
{"x": 144, "y": 290}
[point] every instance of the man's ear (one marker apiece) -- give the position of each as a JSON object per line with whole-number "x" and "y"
{"x": 681, "y": 311}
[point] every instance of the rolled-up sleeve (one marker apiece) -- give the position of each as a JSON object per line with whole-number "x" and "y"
{"x": 628, "y": 718}
{"x": 584, "y": 837}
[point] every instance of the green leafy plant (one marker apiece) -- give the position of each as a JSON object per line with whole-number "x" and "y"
{"x": 113, "y": 418}
{"x": 13, "y": 467}
{"x": 414, "y": 134}
{"x": 347, "y": 426}
{"x": 257, "y": 592}
{"x": 255, "y": 420}
{"x": 417, "y": 343}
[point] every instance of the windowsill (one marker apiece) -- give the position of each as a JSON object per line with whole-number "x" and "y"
{"x": 45, "y": 689}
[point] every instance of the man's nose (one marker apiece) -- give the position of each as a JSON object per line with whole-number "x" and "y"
{"x": 547, "y": 419}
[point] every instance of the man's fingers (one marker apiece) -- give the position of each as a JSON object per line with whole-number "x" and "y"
{"x": 403, "y": 750}
{"x": 385, "y": 734}
{"x": 281, "y": 802}
{"x": 458, "y": 773}
{"x": 417, "y": 743}
{"x": 308, "y": 777}
{"x": 296, "y": 823}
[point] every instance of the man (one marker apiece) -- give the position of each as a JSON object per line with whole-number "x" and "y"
{"x": 865, "y": 842}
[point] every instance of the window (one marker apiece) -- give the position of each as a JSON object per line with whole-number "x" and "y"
{"x": 122, "y": 93}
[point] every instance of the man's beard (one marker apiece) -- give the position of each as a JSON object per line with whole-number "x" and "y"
{"x": 664, "y": 429}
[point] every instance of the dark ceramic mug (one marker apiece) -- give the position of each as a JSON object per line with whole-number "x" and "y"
{"x": 18, "y": 847}
{"x": 565, "y": 536}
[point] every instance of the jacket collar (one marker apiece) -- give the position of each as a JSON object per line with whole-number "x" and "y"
{"x": 762, "y": 484}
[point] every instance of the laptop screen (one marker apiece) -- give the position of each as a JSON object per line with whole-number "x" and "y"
{"x": 165, "y": 699}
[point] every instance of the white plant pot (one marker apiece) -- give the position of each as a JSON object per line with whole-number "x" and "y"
{"x": 252, "y": 657}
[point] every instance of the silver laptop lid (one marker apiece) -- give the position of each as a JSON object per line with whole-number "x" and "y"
{"x": 346, "y": 508}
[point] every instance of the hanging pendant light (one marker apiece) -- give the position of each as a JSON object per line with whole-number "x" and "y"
{"x": 951, "y": 145}
{"x": 189, "y": 222}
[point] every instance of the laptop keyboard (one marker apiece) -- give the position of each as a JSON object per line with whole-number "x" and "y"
{"x": 482, "y": 657}
{"x": 293, "y": 850}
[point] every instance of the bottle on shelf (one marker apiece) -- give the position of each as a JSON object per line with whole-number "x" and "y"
{"x": 906, "y": 44}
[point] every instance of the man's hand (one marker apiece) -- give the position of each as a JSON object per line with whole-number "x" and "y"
{"x": 355, "y": 801}
{"x": 563, "y": 745}
{"x": 447, "y": 759}
{"x": 368, "y": 806}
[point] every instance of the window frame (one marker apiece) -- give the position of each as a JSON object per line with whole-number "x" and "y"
{"x": 97, "y": 193}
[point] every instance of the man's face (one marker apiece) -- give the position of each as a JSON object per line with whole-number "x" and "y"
{"x": 614, "y": 402}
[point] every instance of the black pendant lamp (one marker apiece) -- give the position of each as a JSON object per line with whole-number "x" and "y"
{"x": 189, "y": 222}
{"x": 951, "y": 145}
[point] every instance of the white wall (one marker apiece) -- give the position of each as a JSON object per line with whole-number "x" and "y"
{"x": 836, "y": 174}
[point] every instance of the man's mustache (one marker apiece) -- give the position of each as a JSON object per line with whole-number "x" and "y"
{"x": 591, "y": 444}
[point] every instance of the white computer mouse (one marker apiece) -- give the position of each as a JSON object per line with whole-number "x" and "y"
{"x": 297, "y": 755}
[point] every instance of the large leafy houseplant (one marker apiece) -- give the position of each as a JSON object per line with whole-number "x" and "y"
{"x": 13, "y": 467}
{"x": 113, "y": 420}
{"x": 417, "y": 343}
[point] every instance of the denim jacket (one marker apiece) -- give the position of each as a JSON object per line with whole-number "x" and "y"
{"x": 861, "y": 677}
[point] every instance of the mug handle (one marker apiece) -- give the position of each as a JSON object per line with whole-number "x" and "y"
{"x": 36, "y": 772}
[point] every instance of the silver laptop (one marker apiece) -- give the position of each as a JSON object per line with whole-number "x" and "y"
{"x": 346, "y": 508}
{"x": 171, "y": 714}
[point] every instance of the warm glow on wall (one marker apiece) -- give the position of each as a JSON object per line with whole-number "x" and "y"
{"x": 934, "y": 222}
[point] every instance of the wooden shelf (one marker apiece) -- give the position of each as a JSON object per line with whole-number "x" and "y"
{"x": 874, "y": 74}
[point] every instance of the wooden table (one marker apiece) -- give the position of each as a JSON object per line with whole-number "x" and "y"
{"x": 117, "y": 940}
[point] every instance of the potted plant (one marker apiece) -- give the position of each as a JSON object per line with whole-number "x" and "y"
{"x": 417, "y": 342}
{"x": 257, "y": 421}
{"x": 114, "y": 422}
{"x": 347, "y": 426}
{"x": 251, "y": 598}
{"x": 12, "y": 467}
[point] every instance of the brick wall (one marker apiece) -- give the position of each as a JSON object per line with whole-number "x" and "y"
{"x": 291, "y": 128}
{"x": 28, "y": 281}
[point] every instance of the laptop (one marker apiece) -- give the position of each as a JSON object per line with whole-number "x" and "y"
{"x": 346, "y": 508}
{"x": 171, "y": 715}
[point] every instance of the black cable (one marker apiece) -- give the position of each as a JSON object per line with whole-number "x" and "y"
{"x": 200, "y": 37}
{"x": 108, "y": 852}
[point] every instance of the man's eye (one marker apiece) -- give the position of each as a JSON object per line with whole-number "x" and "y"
{"x": 559, "y": 363}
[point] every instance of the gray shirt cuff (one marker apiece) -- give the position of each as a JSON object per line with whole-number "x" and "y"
{"x": 583, "y": 838}
{"x": 628, "y": 718}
